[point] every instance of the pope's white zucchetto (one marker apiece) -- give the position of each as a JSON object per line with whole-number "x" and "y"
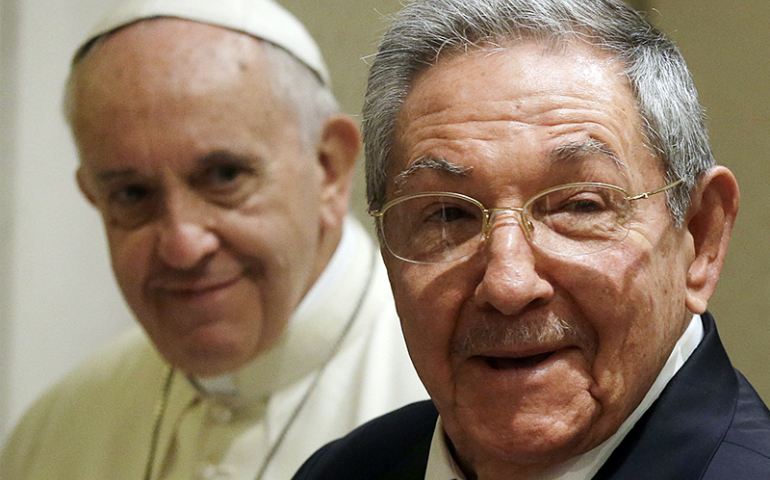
{"x": 263, "y": 19}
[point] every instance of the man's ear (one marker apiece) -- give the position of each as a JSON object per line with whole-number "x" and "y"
{"x": 710, "y": 219}
{"x": 84, "y": 186}
{"x": 337, "y": 154}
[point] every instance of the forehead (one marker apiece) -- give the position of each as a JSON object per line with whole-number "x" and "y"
{"x": 161, "y": 89}
{"x": 167, "y": 53}
{"x": 524, "y": 101}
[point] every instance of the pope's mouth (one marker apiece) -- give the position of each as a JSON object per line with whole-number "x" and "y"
{"x": 509, "y": 363}
{"x": 193, "y": 291}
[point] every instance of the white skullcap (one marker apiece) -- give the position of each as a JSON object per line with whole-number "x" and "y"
{"x": 263, "y": 19}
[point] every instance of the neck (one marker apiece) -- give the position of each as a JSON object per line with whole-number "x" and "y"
{"x": 497, "y": 470}
{"x": 328, "y": 241}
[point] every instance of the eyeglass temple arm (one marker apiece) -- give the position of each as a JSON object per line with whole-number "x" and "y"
{"x": 644, "y": 195}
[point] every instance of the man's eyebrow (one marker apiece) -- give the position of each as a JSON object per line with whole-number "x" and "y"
{"x": 570, "y": 152}
{"x": 580, "y": 150}
{"x": 433, "y": 163}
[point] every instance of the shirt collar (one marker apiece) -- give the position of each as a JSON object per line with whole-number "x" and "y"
{"x": 441, "y": 464}
{"x": 311, "y": 333}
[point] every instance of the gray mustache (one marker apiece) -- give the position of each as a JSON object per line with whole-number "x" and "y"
{"x": 487, "y": 334}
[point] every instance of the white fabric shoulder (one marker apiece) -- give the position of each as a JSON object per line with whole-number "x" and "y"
{"x": 69, "y": 428}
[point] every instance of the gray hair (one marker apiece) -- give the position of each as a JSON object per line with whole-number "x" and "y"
{"x": 292, "y": 83}
{"x": 295, "y": 85}
{"x": 426, "y": 30}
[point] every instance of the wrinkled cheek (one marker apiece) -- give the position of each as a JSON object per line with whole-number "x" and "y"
{"x": 410, "y": 290}
{"x": 611, "y": 291}
{"x": 428, "y": 321}
{"x": 428, "y": 346}
{"x": 627, "y": 300}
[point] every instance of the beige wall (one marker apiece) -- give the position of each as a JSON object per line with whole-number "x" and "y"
{"x": 727, "y": 46}
{"x": 57, "y": 298}
{"x": 347, "y": 31}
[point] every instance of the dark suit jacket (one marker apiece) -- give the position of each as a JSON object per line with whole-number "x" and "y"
{"x": 708, "y": 424}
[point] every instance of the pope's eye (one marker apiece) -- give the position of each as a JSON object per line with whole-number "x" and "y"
{"x": 226, "y": 182}
{"x": 130, "y": 205}
{"x": 130, "y": 194}
{"x": 224, "y": 173}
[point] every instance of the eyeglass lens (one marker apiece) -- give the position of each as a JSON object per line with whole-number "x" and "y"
{"x": 568, "y": 220}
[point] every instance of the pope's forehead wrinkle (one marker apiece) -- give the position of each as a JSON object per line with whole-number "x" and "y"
{"x": 433, "y": 163}
{"x": 212, "y": 158}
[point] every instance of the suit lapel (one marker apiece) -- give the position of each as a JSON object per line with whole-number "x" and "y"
{"x": 414, "y": 462}
{"x": 679, "y": 434}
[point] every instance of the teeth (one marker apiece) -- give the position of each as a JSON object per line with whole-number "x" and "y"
{"x": 505, "y": 363}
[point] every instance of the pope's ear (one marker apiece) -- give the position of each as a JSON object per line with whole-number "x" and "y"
{"x": 337, "y": 154}
{"x": 85, "y": 187}
{"x": 710, "y": 219}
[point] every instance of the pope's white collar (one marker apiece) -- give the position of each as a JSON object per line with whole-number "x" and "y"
{"x": 232, "y": 385}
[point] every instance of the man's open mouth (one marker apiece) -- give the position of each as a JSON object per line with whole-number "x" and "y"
{"x": 508, "y": 363}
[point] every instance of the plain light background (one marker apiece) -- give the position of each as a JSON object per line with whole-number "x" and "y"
{"x": 58, "y": 301}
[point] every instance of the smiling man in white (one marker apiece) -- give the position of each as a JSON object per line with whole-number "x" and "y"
{"x": 553, "y": 224}
{"x": 213, "y": 149}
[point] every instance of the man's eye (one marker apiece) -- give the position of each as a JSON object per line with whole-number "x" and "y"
{"x": 449, "y": 213}
{"x": 573, "y": 202}
{"x": 582, "y": 206}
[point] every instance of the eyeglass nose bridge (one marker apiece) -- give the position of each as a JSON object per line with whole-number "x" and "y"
{"x": 490, "y": 214}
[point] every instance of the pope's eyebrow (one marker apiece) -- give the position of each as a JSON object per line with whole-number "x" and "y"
{"x": 108, "y": 176}
{"x": 434, "y": 163}
{"x": 213, "y": 158}
{"x": 217, "y": 157}
{"x": 255, "y": 165}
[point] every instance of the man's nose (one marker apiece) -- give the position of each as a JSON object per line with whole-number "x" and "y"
{"x": 186, "y": 231}
{"x": 511, "y": 279}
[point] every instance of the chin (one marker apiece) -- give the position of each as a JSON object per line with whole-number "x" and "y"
{"x": 532, "y": 438}
{"x": 517, "y": 453}
{"x": 207, "y": 362}
{"x": 210, "y": 356}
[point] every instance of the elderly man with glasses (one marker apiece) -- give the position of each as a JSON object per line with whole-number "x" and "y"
{"x": 553, "y": 224}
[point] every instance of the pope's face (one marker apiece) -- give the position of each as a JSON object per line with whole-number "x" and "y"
{"x": 209, "y": 199}
{"x": 531, "y": 357}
